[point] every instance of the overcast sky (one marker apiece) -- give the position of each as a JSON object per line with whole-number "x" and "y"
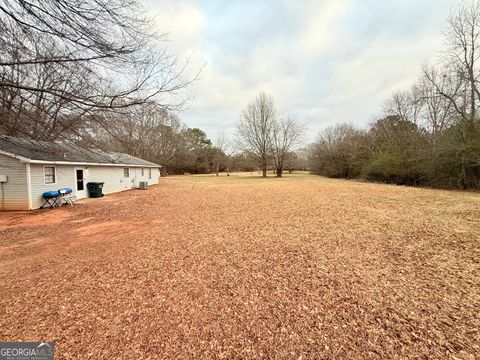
{"x": 326, "y": 61}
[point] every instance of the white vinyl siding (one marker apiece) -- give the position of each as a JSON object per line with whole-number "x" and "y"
{"x": 64, "y": 178}
{"x": 113, "y": 179}
{"x": 15, "y": 190}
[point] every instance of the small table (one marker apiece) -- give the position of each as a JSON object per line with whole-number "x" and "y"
{"x": 66, "y": 198}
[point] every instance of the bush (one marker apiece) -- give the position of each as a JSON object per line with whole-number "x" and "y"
{"x": 390, "y": 168}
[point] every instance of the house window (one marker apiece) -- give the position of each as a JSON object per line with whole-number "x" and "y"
{"x": 49, "y": 174}
{"x": 143, "y": 172}
{"x": 126, "y": 172}
{"x": 149, "y": 173}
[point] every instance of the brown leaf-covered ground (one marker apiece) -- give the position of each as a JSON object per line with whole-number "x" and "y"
{"x": 243, "y": 267}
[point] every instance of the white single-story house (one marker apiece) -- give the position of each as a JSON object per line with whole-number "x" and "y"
{"x": 29, "y": 168}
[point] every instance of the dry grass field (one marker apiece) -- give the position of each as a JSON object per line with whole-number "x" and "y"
{"x": 241, "y": 267}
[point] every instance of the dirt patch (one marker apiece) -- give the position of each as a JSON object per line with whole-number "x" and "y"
{"x": 101, "y": 232}
{"x": 5, "y": 250}
{"x": 242, "y": 267}
{"x": 79, "y": 221}
{"x": 45, "y": 217}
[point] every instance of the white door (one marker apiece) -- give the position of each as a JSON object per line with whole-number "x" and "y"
{"x": 80, "y": 183}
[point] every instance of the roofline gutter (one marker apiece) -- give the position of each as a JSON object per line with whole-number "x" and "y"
{"x": 31, "y": 161}
{"x": 90, "y": 164}
{"x": 21, "y": 158}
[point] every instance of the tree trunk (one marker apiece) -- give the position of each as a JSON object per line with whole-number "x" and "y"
{"x": 264, "y": 171}
{"x": 279, "y": 172}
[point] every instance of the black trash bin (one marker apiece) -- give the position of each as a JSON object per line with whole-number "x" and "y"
{"x": 95, "y": 189}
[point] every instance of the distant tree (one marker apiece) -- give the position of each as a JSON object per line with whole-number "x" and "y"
{"x": 221, "y": 154}
{"x": 398, "y": 152}
{"x": 197, "y": 138}
{"x": 406, "y": 105}
{"x": 462, "y": 53}
{"x": 198, "y": 155}
{"x": 255, "y": 129}
{"x": 438, "y": 111}
{"x": 244, "y": 161}
{"x": 298, "y": 160}
{"x": 295, "y": 160}
{"x": 286, "y": 133}
{"x": 148, "y": 131}
{"x": 341, "y": 151}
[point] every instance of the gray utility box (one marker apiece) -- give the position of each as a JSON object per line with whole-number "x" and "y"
{"x": 143, "y": 185}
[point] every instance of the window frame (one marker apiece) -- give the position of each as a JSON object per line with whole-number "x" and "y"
{"x": 54, "y": 175}
{"x": 127, "y": 172}
{"x": 149, "y": 173}
{"x": 143, "y": 171}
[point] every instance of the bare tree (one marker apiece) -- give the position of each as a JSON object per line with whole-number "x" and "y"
{"x": 221, "y": 153}
{"x": 286, "y": 133}
{"x": 255, "y": 129}
{"x": 40, "y": 115}
{"x": 438, "y": 111}
{"x": 79, "y": 58}
{"x": 405, "y": 104}
{"x": 462, "y": 60}
{"x": 223, "y": 143}
{"x": 148, "y": 131}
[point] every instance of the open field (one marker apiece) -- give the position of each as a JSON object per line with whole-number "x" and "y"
{"x": 243, "y": 267}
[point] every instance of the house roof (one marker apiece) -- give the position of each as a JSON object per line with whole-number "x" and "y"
{"x": 49, "y": 152}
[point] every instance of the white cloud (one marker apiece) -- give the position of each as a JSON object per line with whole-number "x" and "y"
{"x": 321, "y": 32}
{"x": 181, "y": 20}
{"x": 328, "y": 61}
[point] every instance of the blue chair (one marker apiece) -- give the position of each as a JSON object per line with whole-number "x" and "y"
{"x": 50, "y": 198}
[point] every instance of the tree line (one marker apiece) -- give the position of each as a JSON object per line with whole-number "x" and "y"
{"x": 430, "y": 134}
{"x": 94, "y": 73}
{"x": 262, "y": 142}
{"x": 158, "y": 135}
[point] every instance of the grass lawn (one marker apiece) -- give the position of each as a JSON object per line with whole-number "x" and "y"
{"x": 243, "y": 267}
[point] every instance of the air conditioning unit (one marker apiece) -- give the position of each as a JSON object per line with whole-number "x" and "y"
{"x": 143, "y": 185}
